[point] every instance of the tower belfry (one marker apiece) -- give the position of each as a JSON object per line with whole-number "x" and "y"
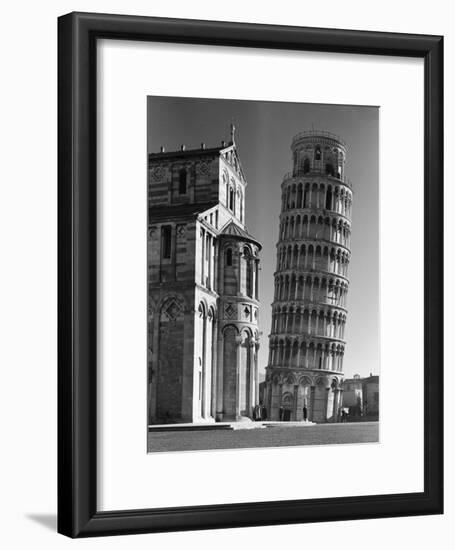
{"x": 306, "y": 343}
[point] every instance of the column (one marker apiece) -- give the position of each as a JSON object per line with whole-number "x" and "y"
{"x": 203, "y": 257}
{"x": 239, "y": 286}
{"x": 204, "y": 367}
{"x": 326, "y": 403}
{"x": 335, "y": 405}
{"x": 252, "y": 379}
{"x": 215, "y": 264}
{"x": 238, "y": 343}
{"x": 214, "y": 369}
{"x": 256, "y": 279}
{"x": 219, "y": 380}
{"x": 209, "y": 261}
{"x": 256, "y": 374}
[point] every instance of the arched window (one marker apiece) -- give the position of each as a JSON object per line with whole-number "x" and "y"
{"x": 249, "y": 272}
{"x": 182, "y": 182}
{"x": 299, "y": 196}
{"x": 166, "y": 236}
{"x": 328, "y": 199}
{"x": 231, "y": 199}
{"x": 229, "y": 257}
{"x": 305, "y": 199}
{"x": 317, "y": 153}
{"x": 306, "y": 166}
{"x": 226, "y": 186}
{"x": 329, "y": 169}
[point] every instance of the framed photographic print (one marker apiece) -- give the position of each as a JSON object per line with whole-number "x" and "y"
{"x": 250, "y": 274}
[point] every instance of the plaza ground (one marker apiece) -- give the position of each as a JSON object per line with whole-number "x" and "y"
{"x": 276, "y": 436}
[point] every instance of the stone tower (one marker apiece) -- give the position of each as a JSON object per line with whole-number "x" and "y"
{"x": 306, "y": 345}
{"x": 202, "y": 287}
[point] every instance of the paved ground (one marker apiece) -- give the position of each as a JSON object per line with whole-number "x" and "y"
{"x": 317, "y": 434}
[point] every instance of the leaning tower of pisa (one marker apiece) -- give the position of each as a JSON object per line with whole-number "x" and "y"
{"x": 306, "y": 343}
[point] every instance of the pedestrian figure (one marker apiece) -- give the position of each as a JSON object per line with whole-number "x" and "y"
{"x": 305, "y": 413}
{"x": 281, "y": 413}
{"x": 257, "y": 413}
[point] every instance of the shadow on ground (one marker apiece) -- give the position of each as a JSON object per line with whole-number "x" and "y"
{"x": 49, "y": 521}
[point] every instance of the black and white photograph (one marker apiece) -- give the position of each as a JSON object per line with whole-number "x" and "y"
{"x": 263, "y": 274}
{"x": 224, "y": 317}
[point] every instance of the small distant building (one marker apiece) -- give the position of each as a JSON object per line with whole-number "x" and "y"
{"x": 353, "y": 395}
{"x": 361, "y": 397}
{"x": 370, "y": 387}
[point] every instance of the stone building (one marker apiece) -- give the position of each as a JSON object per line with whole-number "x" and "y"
{"x": 353, "y": 395}
{"x": 306, "y": 346}
{"x": 370, "y": 387}
{"x": 203, "y": 302}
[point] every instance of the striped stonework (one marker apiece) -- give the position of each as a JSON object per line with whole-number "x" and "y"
{"x": 306, "y": 345}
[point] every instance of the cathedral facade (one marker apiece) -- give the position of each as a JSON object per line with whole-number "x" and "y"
{"x": 306, "y": 344}
{"x": 203, "y": 306}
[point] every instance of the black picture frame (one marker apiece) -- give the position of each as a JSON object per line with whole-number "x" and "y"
{"x": 77, "y": 222}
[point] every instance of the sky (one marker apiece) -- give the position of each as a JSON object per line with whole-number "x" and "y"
{"x": 264, "y": 131}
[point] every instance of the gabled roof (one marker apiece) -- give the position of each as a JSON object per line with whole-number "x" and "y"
{"x": 231, "y": 229}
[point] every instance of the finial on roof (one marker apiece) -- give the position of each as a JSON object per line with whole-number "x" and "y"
{"x": 232, "y": 133}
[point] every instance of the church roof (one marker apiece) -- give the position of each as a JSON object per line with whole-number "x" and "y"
{"x": 187, "y": 153}
{"x": 231, "y": 229}
{"x": 178, "y": 211}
